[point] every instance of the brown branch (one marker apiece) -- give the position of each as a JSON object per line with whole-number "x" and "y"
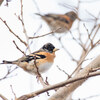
{"x": 64, "y": 92}
{"x": 71, "y": 80}
{"x": 13, "y": 91}
{"x": 44, "y": 34}
{"x": 64, "y": 72}
{"x": 3, "y": 97}
{"x": 39, "y": 77}
{"x": 23, "y": 25}
{"x": 97, "y": 43}
{"x": 89, "y": 38}
{"x": 84, "y": 54}
{"x": 13, "y": 32}
{"x": 77, "y": 81}
{"x": 19, "y": 48}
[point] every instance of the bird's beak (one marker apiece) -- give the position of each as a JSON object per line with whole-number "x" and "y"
{"x": 55, "y": 49}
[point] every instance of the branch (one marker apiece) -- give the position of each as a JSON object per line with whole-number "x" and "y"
{"x": 44, "y": 34}
{"x": 64, "y": 72}
{"x": 9, "y": 71}
{"x": 18, "y": 48}
{"x": 13, "y": 91}
{"x": 3, "y": 97}
{"x": 13, "y": 32}
{"x": 23, "y": 25}
{"x": 84, "y": 54}
{"x": 65, "y": 92}
{"x": 77, "y": 81}
{"x": 72, "y": 80}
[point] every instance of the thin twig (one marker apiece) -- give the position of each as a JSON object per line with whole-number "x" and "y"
{"x": 91, "y": 42}
{"x": 37, "y": 6}
{"x": 44, "y": 34}
{"x": 79, "y": 43}
{"x": 68, "y": 6}
{"x": 88, "y": 49}
{"x": 19, "y": 48}
{"x": 13, "y": 92}
{"x": 9, "y": 71}
{"x": 13, "y": 32}
{"x": 61, "y": 84}
{"x": 24, "y": 29}
{"x": 64, "y": 72}
{"x": 70, "y": 55}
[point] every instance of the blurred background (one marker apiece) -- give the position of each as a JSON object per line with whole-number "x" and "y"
{"x": 22, "y": 82}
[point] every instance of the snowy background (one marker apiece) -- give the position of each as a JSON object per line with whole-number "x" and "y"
{"x": 23, "y": 82}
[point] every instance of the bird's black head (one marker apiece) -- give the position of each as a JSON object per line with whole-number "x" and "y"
{"x": 49, "y": 48}
{"x": 72, "y": 15}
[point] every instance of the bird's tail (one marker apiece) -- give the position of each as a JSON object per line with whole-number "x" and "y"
{"x": 39, "y": 14}
{"x": 6, "y": 62}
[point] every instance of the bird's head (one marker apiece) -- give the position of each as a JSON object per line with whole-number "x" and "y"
{"x": 48, "y": 47}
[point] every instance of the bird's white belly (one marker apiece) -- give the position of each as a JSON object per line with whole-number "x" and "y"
{"x": 44, "y": 67}
{"x": 41, "y": 69}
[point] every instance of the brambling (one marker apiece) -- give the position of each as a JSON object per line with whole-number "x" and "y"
{"x": 62, "y": 21}
{"x": 40, "y": 60}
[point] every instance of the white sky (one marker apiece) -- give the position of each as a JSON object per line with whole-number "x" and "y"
{"x": 25, "y": 83}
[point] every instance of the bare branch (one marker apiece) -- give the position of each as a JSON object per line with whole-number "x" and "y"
{"x": 60, "y": 42}
{"x": 9, "y": 71}
{"x": 13, "y": 32}
{"x": 88, "y": 49}
{"x": 68, "y": 6}
{"x": 24, "y": 29}
{"x": 19, "y": 48}
{"x": 44, "y": 34}
{"x": 3, "y": 97}
{"x": 39, "y": 77}
{"x": 71, "y": 80}
{"x": 65, "y": 92}
{"x": 13, "y": 91}
{"x": 64, "y": 72}
{"x": 76, "y": 80}
{"x": 91, "y": 42}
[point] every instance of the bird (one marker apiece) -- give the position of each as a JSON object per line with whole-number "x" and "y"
{"x": 59, "y": 22}
{"x": 38, "y": 61}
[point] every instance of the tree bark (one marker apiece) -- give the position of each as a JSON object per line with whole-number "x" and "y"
{"x": 64, "y": 92}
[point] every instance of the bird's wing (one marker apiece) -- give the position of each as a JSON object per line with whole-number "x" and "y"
{"x": 30, "y": 57}
{"x": 58, "y": 17}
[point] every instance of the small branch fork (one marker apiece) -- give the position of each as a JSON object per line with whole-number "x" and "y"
{"x": 61, "y": 84}
{"x": 87, "y": 47}
{"x": 9, "y": 71}
{"x": 13, "y": 32}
